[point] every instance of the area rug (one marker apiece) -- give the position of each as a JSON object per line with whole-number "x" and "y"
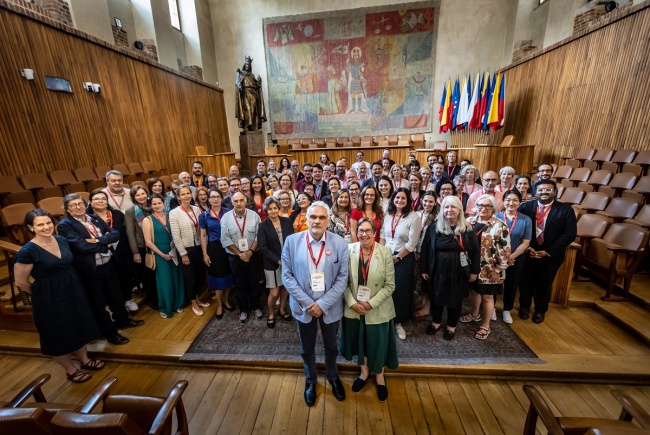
{"x": 228, "y": 340}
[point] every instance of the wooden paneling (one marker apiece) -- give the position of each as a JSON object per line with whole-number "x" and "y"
{"x": 591, "y": 92}
{"x": 143, "y": 113}
{"x": 489, "y": 157}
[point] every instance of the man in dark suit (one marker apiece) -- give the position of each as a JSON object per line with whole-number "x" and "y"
{"x": 555, "y": 229}
{"x": 198, "y": 178}
{"x": 377, "y": 171}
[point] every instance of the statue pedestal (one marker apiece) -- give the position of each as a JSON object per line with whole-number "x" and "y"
{"x": 250, "y": 143}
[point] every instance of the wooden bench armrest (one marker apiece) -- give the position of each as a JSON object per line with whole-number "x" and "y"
{"x": 99, "y": 393}
{"x": 631, "y": 409}
{"x": 33, "y": 389}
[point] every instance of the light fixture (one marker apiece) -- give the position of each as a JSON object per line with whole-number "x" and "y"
{"x": 97, "y": 88}
{"x": 118, "y": 23}
{"x": 27, "y": 73}
{"x": 88, "y": 86}
{"x": 610, "y": 6}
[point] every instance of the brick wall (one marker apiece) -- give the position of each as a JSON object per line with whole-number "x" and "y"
{"x": 58, "y": 10}
{"x": 149, "y": 49}
{"x": 586, "y": 15}
{"x": 522, "y": 49}
{"x": 120, "y": 37}
{"x": 196, "y": 72}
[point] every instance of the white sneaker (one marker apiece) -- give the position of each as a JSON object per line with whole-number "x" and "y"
{"x": 258, "y": 313}
{"x": 131, "y": 305}
{"x": 401, "y": 333}
{"x": 507, "y": 318}
{"x": 494, "y": 316}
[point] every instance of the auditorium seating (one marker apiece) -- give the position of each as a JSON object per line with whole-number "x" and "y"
{"x": 603, "y": 155}
{"x": 129, "y": 415}
{"x": 40, "y": 185}
{"x": 89, "y": 177}
{"x": 643, "y": 159}
{"x": 579, "y": 425}
{"x": 592, "y": 202}
{"x": 562, "y": 172}
{"x": 572, "y": 195}
{"x": 620, "y": 182}
{"x": 54, "y": 205}
{"x": 620, "y": 208}
{"x": 12, "y": 192}
{"x": 642, "y": 218}
{"x": 579, "y": 175}
{"x": 616, "y": 255}
{"x": 101, "y": 171}
{"x": 67, "y": 181}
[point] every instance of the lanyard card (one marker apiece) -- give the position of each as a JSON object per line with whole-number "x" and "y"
{"x": 392, "y": 245}
{"x": 348, "y": 238}
{"x": 463, "y": 259}
{"x": 242, "y": 244}
{"x": 318, "y": 282}
{"x": 363, "y": 293}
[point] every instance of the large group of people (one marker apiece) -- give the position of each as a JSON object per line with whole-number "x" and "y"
{"x": 351, "y": 244}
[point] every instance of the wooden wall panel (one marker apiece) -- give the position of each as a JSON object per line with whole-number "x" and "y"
{"x": 591, "y": 92}
{"x": 143, "y": 113}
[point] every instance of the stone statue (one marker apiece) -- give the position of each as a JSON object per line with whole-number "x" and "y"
{"x": 250, "y": 100}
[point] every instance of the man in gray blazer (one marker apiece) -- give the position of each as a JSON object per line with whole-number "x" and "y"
{"x": 315, "y": 273}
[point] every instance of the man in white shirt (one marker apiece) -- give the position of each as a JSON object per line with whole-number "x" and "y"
{"x": 360, "y": 162}
{"x": 119, "y": 197}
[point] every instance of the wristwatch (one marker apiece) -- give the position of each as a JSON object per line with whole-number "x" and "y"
{"x": 398, "y": 258}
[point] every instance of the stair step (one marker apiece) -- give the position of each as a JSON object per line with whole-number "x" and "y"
{"x": 628, "y": 315}
{"x": 641, "y": 295}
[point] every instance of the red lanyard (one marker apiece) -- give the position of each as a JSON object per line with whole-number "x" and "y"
{"x": 365, "y": 269}
{"x": 472, "y": 191}
{"x": 393, "y": 225}
{"x": 542, "y": 216}
{"x": 241, "y": 228}
{"x": 422, "y": 219}
{"x": 450, "y": 170}
{"x": 216, "y": 215}
{"x": 514, "y": 221}
{"x": 119, "y": 204}
{"x": 397, "y": 186}
{"x": 95, "y": 233}
{"x": 347, "y": 223}
{"x": 109, "y": 215}
{"x": 164, "y": 224}
{"x": 311, "y": 253}
{"x": 192, "y": 217}
{"x": 460, "y": 242}
{"x": 414, "y": 204}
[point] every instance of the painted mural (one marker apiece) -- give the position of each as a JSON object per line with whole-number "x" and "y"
{"x": 352, "y": 72}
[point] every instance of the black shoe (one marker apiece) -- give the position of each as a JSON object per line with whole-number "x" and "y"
{"x": 310, "y": 394}
{"x": 382, "y": 393}
{"x": 231, "y": 309}
{"x": 359, "y": 384}
{"x": 524, "y": 313}
{"x": 132, "y": 323}
{"x": 219, "y": 316}
{"x": 432, "y": 329}
{"x": 538, "y": 317}
{"x": 448, "y": 335}
{"x": 338, "y": 390}
{"x": 117, "y": 339}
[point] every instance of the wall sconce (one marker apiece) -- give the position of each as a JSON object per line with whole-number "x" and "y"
{"x": 27, "y": 73}
{"x": 92, "y": 87}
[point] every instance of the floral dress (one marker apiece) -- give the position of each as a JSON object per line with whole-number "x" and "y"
{"x": 494, "y": 239}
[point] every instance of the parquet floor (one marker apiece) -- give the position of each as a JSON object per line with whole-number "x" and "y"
{"x": 225, "y": 401}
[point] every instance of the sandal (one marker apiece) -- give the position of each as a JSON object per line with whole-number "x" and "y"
{"x": 78, "y": 377}
{"x": 93, "y": 364}
{"x": 163, "y": 315}
{"x": 483, "y": 333}
{"x": 270, "y": 322}
{"x": 470, "y": 318}
{"x": 285, "y": 316}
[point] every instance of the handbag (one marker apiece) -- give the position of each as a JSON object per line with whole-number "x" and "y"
{"x": 149, "y": 256}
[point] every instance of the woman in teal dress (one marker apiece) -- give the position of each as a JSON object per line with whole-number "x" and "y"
{"x": 368, "y": 320}
{"x": 169, "y": 280}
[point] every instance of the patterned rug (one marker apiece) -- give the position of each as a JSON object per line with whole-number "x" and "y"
{"x": 228, "y": 340}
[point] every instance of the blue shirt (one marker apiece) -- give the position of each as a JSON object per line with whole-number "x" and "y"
{"x": 207, "y": 221}
{"x": 523, "y": 229}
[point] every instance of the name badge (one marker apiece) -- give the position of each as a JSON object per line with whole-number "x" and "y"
{"x": 318, "y": 282}
{"x": 463, "y": 259}
{"x": 538, "y": 232}
{"x": 348, "y": 238}
{"x": 242, "y": 245}
{"x": 363, "y": 293}
{"x": 197, "y": 239}
{"x": 392, "y": 245}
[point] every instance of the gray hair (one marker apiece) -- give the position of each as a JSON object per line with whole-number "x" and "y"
{"x": 508, "y": 170}
{"x": 492, "y": 200}
{"x": 477, "y": 174}
{"x": 270, "y": 200}
{"x": 114, "y": 172}
{"x": 319, "y": 204}
{"x": 71, "y": 197}
{"x": 442, "y": 224}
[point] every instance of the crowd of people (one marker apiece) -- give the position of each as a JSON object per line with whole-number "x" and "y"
{"x": 357, "y": 244}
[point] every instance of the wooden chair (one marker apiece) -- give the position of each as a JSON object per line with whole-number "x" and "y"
{"x": 122, "y": 168}
{"x": 643, "y": 159}
{"x": 590, "y": 226}
{"x": 40, "y": 185}
{"x": 13, "y": 217}
{"x": 150, "y": 168}
{"x": 12, "y": 192}
{"x": 591, "y": 203}
{"x": 174, "y": 177}
{"x": 65, "y": 180}
{"x": 295, "y": 144}
{"x": 632, "y": 168}
{"x": 89, "y": 178}
{"x": 136, "y": 168}
{"x": 84, "y": 195}
{"x": 54, "y": 206}
{"x": 440, "y": 145}
{"x": 342, "y": 140}
{"x": 609, "y": 166}
{"x": 167, "y": 181}
{"x": 623, "y": 156}
{"x": 619, "y": 183}
{"x": 583, "y": 154}
{"x": 579, "y": 174}
{"x": 642, "y": 218}
{"x": 418, "y": 141}
{"x": 572, "y": 195}
{"x": 591, "y": 164}
{"x": 642, "y": 187}
{"x": 383, "y": 143}
{"x": 404, "y": 142}
{"x": 574, "y": 163}
{"x": 603, "y": 156}
{"x": 356, "y": 141}
{"x": 616, "y": 256}
{"x": 579, "y": 425}
{"x": 562, "y": 172}
{"x": 508, "y": 141}
{"x": 330, "y": 142}
{"x": 129, "y": 415}
{"x": 599, "y": 178}
{"x": 101, "y": 171}
{"x": 392, "y": 139}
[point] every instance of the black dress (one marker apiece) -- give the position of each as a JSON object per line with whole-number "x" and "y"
{"x": 450, "y": 281}
{"x": 60, "y": 307}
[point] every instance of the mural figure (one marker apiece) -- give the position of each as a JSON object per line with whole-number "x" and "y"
{"x": 356, "y": 84}
{"x": 249, "y": 104}
{"x": 334, "y": 87}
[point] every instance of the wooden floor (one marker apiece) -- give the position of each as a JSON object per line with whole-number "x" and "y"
{"x": 224, "y": 401}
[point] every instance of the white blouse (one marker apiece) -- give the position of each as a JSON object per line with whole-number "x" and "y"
{"x": 407, "y": 232}
{"x": 185, "y": 230}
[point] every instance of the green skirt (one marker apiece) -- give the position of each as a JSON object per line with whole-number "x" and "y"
{"x": 375, "y": 342}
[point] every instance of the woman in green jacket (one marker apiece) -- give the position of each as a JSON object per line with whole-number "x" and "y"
{"x": 368, "y": 327}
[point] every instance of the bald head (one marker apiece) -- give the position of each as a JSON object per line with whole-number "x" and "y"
{"x": 234, "y": 171}
{"x": 239, "y": 202}
{"x": 184, "y": 178}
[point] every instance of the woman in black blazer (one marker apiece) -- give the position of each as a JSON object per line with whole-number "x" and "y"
{"x": 271, "y": 235}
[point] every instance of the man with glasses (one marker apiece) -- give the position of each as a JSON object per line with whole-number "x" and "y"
{"x": 360, "y": 162}
{"x": 362, "y": 173}
{"x": 308, "y": 176}
{"x": 234, "y": 183}
{"x": 544, "y": 172}
{"x": 340, "y": 170}
{"x": 213, "y": 181}
{"x": 490, "y": 181}
{"x": 234, "y": 171}
{"x": 554, "y": 230}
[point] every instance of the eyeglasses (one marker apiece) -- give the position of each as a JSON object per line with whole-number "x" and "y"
{"x": 99, "y": 198}
{"x": 364, "y": 231}
{"x": 235, "y": 185}
{"x": 446, "y": 189}
{"x": 549, "y": 190}
{"x": 215, "y": 197}
{"x": 494, "y": 180}
{"x": 485, "y": 206}
{"x": 77, "y": 205}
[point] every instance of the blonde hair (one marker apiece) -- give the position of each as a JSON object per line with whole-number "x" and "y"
{"x": 442, "y": 225}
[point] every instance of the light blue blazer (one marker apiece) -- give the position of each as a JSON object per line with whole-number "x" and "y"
{"x": 297, "y": 278}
